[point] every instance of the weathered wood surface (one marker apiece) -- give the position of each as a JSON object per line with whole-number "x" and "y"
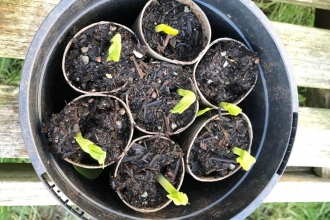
{"x": 20, "y": 19}
{"x": 300, "y": 187}
{"x": 323, "y": 172}
{"x": 309, "y": 48}
{"x": 309, "y": 51}
{"x": 311, "y": 148}
{"x": 19, "y": 185}
{"x": 11, "y": 141}
{"x": 324, "y": 4}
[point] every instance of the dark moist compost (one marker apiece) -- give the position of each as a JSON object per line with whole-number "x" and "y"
{"x": 136, "y": 175}
{"x": 150, "y": 99}
{"x": 226, "y": 72}
{"x": 211, "y": 153}
{"x": 185, "y": 46}
{"x": 86, "y": 62}
{"x": 102, "y": 120}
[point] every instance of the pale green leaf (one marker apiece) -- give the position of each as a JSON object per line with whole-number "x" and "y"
{"x": 166, "y": 29}
{"x": 231, "y": 108}
{"x": 244, "y": 159}
{"x": 115, "y": 48}
{"x": 188, "y": 98}
{"x": 93, "y": 150}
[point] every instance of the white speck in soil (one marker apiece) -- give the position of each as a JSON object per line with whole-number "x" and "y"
{"x": 84, "y": 49}
{"x": 85, "y": 59}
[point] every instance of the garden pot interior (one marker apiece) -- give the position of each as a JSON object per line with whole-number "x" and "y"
{"x": 271, "y": 107}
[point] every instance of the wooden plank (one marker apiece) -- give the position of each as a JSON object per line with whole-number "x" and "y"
{"x": 19, "y": 185}
{"x": 300, "y": 187}
{"x": 324, "y": 4}
{"x": 309, "y": 50}
{"x": 11, "y": 144}
{"x": 20, "y": 19}
{"x": 311, "y": 148}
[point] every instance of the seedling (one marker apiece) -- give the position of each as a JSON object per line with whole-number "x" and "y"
{"x": 177, "y": 197}
{"x": 231, "y": 108}
{"x": 92, "y": 149}
{"x": 166, "y": 29}
{"x": 115, "y": 48}
{"x": 244, "y": 159}
{"x": 188, "y": 98}
{"x": 203, "y": 111}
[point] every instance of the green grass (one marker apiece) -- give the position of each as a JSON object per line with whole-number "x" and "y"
{"x": 10, "y": 71}
{"x": 14, "y": 160}
{"x": 292, "y": 211}
{"x": 282, "y": 12}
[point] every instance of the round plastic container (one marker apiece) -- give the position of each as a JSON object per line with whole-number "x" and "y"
{"x": 272, "y": 108}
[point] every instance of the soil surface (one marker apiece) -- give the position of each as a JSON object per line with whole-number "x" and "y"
{"x": 150, "y": 99}
{"x": 102, "y": 120}
{"x": 226, "y": 72}
{"x": 136, "y": 177}
{"x": 211, "y": 153}
{"x": 86, "y": 65}
{"x": 187, "y": 44}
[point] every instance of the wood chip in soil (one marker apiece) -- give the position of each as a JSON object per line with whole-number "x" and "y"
{"x": 211, "y": 153}
{"x": 86, "y": 65}
{"x": 150, "y": 99}
{"x": 187, "y": 44}
{"x": 139, "y": 168}
{"x": 102, "y": 120}
{"x": 226, "y": 72}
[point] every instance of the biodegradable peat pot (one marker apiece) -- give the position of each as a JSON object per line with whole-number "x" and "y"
{"x": 221, "y": 134}
{"x": 200, "y": 35}
{"x": 105, "y": 120}
{"x": 152, "y": 98}
{"x": 227, "y": 72}
{"x": 145, "y": 158}
{"x": 85, "y": 66}
{"x": 271, "y": 106}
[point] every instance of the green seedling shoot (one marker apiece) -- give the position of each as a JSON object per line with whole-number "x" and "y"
{"x": 166, "y": 29}
{"x": 203, "y": 111}
{"x": 244, "y": 159}
{"x": 115, "y": 48}
{"x": 92, "y": 149}
{"x": 231, "y": 108}
{"x": 177, "y": 197}
{"x": 188, "y": 98}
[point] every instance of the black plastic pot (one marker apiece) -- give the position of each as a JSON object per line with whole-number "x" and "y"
{"x": 271, "y": 106}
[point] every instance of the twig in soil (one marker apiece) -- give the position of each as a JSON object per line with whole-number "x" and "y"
{"x": 210, "y": 171}
{"x": 167, "y": 123}
{"x": 127, "y": 159}
{"x": 177, "y": 166}
{"x": 154, "y": 103}
{"x": 168, "y": 37}
{"x": 205, "y": 139}
{"x": 154, "y": 160}
{"x": 118, "y": 89}
{"x": 144, "y": 158}
{"x": 138, "y": 69}
{"x": 220, "y": 159}
{"x": 145, "y": 65}
{"x": 205, "y": 133}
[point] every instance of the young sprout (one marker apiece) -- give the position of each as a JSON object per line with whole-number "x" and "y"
{"x": 92, "y": 149}
{"x": 231, "y": 108}
{"x": 115, "y": 48}
{"x": 244, "y": 159}
{"x": 177, "y": 197}
{"x": 203, "y": 111}
{"x": 167, "y": 29}
{"x": 188, "y": 98}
